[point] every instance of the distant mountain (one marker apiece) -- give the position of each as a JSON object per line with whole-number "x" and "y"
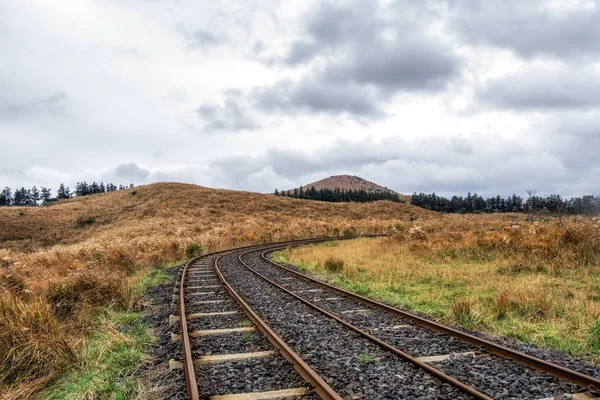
{"x": 346, "y": 182}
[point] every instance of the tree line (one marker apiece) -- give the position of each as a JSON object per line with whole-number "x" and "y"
{"x": 43, "y": 195}
{"x": 473, "y": 203}
{"x": 338, "y": 195}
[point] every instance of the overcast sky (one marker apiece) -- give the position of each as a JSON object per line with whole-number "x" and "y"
{"x": 451, "y": 96}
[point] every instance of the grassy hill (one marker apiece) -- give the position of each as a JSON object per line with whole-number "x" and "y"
{"x": 151, "y": 224}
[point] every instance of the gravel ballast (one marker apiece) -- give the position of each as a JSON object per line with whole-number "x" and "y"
{"x": 269, "y": 373}
{"x": 355, "y": 367}
{"x": 374, "y": 321}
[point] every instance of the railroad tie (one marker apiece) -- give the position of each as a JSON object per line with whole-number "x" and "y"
{"x": 276, "y": 394}
{"x": 213, "y": 359}
{"x": 175, "y": 318}
{"x": 308, "y": 290}
{"x": 199, "y": 293}
{"x": 444, "y": 357}
{"x": 356, "y": 310}
{"x": 405, "y": 326}
{"x": 176, "y": 296}
{"x": 203, "y": 287}
{"x": 329, "y": 299}
{"x": 176, "y": 337}
{"x": 576, "y": 396}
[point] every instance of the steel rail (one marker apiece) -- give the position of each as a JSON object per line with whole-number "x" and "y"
{"x": 431, "y": 370}
{"x": 320, "y": 386}
{"x": 188, "y": 362}
{"x": 562, "y": 373}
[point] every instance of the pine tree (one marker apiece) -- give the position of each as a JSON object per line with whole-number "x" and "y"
{"x": 35, "y": 196}
{"x": 46, "y": 195}
{"x": 63, "y": 193}
{"x": 6, "y": 197}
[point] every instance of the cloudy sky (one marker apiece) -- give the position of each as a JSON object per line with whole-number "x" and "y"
{"x": 494, "y": 96}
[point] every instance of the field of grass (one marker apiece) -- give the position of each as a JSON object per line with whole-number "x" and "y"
{"x": 538, "y": 283}
{"x": 70, "y": 272}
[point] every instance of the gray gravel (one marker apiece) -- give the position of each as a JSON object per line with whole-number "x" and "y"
{"x": 503, "y": 379}
{"x": 420, "y": 342}
{"x": 254, "y": 375}
{"x": 355, "y": 367}
{"x": 231, "y": 343}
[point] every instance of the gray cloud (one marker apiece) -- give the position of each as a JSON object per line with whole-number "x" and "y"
{"x": 530, "y": 28}
{"x": 318, "y": 96}
{"x": 399, "y": 65}
{"x": 229, "y": 117}
{"x": 201, "y": 38}
{"x": 300, "y": 52}
{"x": 544, "y": 88}
{"x": 355, "y": 66}
{"x": 49, "y": 105}
{"x": 131, "y": 171}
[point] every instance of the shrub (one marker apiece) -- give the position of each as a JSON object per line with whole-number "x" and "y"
{"x": 88, "y": 289}
{"x": 349, "y": 231}
{"x": 82, "y": 222}
{"x": 125, "y": 260}
{"x": 194, "y": 250}
{"x": 15, "y": 284}
{"x": 32, "y": 345}
{"x": 594, "y": 336}
{"x": 464, "y": 314}
{"x": 333, "y": 264}
{"x": 501, "y": 305}
{"x": 417, "y": 233}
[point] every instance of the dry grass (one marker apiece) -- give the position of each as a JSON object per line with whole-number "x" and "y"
{"x": 539, "y": 283}
{"x": 59, "y": 264}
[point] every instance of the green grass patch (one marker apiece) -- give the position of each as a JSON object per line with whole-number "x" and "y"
{"x": 112, "y": 353}
{"x": 156, "y": 277}
{"x": 111, "y": 356}
{"x": 365, "y": 358}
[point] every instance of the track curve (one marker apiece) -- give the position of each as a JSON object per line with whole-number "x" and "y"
{"x": 262, "y": 305}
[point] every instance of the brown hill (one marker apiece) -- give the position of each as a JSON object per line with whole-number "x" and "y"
{"x": 153, "y": 224}
{"x": 347, "y": 182}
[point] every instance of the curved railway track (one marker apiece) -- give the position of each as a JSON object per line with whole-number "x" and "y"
{"x": 325, "y": 342}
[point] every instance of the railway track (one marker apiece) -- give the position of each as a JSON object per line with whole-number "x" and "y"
{"x": 256, "y": 329}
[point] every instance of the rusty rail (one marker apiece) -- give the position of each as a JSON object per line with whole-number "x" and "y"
{"x": 565, "y": 374}
{"x": 431, "y": 370}
{"x": 188, "y": 363}
{"x": 320, "y": 386}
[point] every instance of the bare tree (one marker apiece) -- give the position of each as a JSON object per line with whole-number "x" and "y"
{"x": 531, "y": 205}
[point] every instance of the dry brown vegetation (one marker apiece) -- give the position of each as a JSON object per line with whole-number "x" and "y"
{"x": 536, "y": 282}
{"x": 58, "y": 264}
